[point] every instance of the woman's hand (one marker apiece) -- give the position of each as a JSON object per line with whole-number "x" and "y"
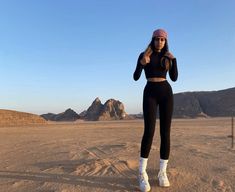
{"x": 166, "y": 61}
{"x": 146, "y": 57}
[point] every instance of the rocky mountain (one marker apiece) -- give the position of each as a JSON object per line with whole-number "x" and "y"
{"x": 205, "y": 103}
{"x": 186, "y": 105}
{"x": 68, "y": 115}
{"x": 94, "y": 111}
{"x": 16, "y": 118}
{"x": 111, "y": 110}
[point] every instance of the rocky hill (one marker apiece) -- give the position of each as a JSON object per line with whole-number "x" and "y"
{"x": 68, "y": 115}
{"x": 111, "y": 110}
{"x": 16, "y": 118}
{"x": 205, "y": 103}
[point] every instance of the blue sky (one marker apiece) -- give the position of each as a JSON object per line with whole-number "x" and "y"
{"x": 59, "y": 54}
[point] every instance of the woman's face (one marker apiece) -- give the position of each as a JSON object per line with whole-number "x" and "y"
{"x": 159, "y": 43}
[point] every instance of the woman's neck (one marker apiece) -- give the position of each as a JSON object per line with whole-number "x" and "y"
{"x": 158, "y": 51}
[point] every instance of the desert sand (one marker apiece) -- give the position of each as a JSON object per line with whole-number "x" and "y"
{"x": 103, "y": 157}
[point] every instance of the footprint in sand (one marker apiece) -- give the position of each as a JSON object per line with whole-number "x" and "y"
{"x": 99, "y": 160}
{"x": 107, "y": 167}
{"x": 107, "y": 149}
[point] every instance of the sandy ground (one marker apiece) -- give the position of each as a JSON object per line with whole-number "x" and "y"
{"x": 103, "y": 156}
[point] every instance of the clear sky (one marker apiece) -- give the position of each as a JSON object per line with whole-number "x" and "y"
{"x": 59, "y": 54}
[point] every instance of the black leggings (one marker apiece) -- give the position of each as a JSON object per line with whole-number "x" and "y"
{"x": 157, "y": 93}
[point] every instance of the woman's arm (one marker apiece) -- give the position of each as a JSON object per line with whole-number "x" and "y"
{"x": 173, "y": 72}
{"x": 139, "y": 68}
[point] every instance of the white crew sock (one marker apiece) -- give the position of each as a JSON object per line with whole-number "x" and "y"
{"x": 143, "y": 164}
{"x": 163, "y": 164}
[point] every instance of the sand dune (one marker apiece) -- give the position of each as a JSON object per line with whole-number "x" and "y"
{"x": 103, "y": 157}
{"x": 16, "y": 118}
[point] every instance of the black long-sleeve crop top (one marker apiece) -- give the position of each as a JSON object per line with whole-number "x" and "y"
{"x": 157, "y": 67}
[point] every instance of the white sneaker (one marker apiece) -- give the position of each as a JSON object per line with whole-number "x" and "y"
{"x": 143, "y": 182}
{"x": 163, "y": 180}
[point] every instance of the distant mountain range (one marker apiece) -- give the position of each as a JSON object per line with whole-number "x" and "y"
{"x": 186, "y": 105}
{"x": 111, "y": 110}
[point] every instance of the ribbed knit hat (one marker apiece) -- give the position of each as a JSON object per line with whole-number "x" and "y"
{"x": 160, "y": 33}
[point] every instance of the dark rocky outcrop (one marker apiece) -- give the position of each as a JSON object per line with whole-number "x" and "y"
{"x": 94, "y": 111}
{"x": 68, "y": 115}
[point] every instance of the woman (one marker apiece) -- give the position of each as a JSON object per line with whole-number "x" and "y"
{"x": 156, "y": 62}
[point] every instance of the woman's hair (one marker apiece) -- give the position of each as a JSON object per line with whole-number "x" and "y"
{"x": 164, "y": 49}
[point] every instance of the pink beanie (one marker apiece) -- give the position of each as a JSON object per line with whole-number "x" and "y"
{"x": 160, "y": 33}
